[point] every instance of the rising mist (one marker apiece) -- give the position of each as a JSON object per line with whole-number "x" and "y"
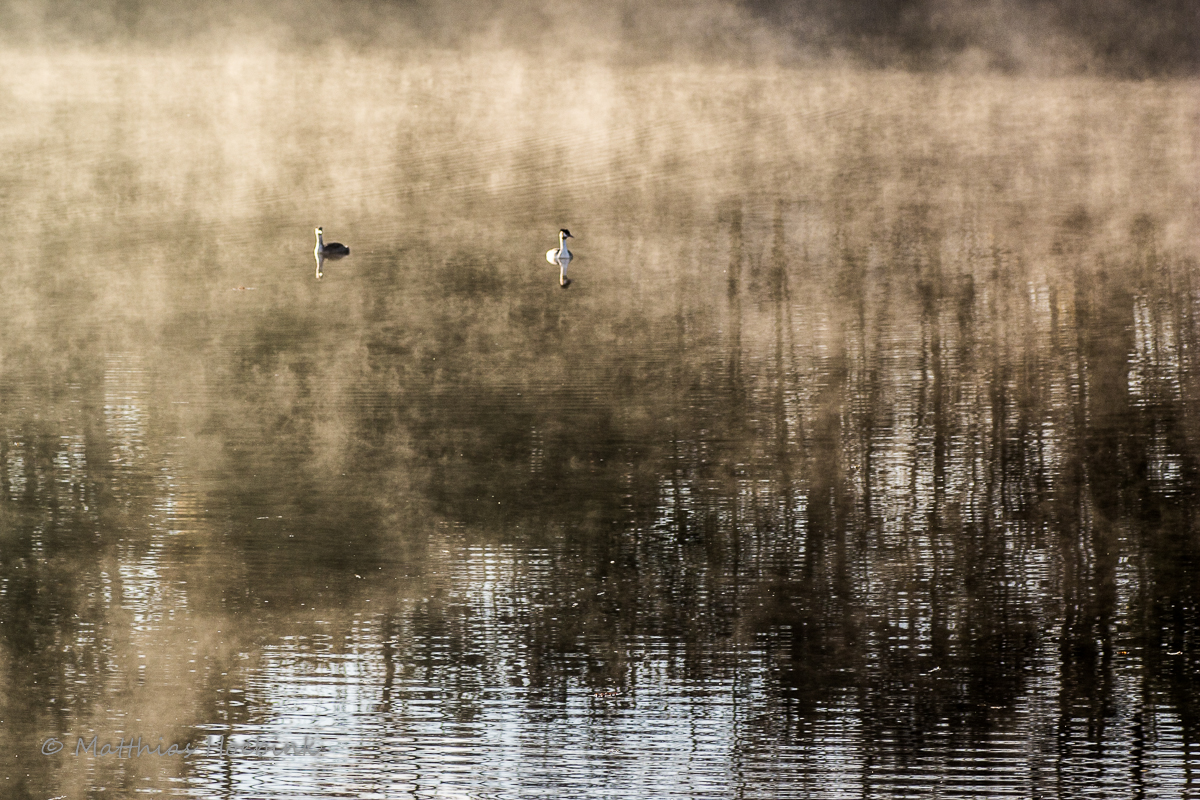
{"x": 1129, "y": 38}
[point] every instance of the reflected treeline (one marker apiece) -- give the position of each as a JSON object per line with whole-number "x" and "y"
{"x": 938, "y": 481}
{"x": 922, "y": 474}
{"x": 882, "y": 423}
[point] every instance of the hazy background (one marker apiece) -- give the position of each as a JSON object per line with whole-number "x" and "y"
{"x": 1134, "y": 38}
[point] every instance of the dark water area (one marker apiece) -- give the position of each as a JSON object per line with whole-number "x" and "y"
{"x": 858, "y": 460}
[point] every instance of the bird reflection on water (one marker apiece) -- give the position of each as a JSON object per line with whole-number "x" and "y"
{"x": 322, "y": 258}
{"x": 332, "y": 250}
{"x": 562, "y": 257}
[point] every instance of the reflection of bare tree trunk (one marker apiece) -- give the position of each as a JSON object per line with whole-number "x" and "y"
{"x": 737, "y": 389}
{"x": 931, "y": 416}
{"x": 870, "y": 388}
{"x": 784, "y": 364}
{"x": 388, "y": 654}
{"x": 1090, "y": 595}
{"x": 734, "y": 277}
{"x": 778, "y": 274}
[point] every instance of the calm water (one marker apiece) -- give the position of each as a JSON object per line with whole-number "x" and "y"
{"x": 859, "y": 460}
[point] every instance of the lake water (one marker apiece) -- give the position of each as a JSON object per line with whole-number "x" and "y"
{"x": 858, "y": 460}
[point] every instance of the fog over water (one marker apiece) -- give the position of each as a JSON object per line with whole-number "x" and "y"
{"x": 1128, "y": 38}
{"x": 859, "y": 459}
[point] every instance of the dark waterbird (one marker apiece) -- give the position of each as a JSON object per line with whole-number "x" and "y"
{"x": 331, "y": 249}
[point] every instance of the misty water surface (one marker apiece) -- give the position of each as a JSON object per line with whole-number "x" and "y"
{"x": 859, "y": 460}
